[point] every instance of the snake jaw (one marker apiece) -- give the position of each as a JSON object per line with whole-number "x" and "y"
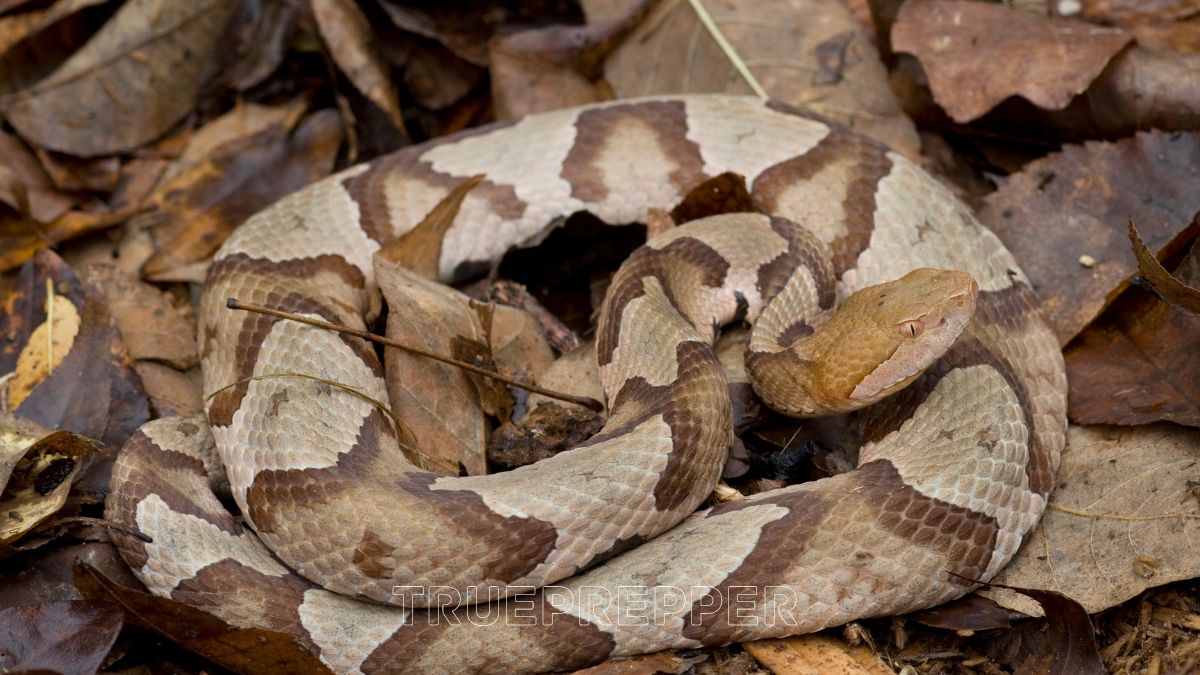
{"x": 926, "y": 331}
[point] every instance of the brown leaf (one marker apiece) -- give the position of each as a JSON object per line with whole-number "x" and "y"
{"x": 816, "y": 654}
{"x": 973, "y": 612}
{"x": 152, "y": 326}
{"x": 171, "y": 391}
{"x": 242, "y": 650}
{"x": 21, "y": 238}
{"x": 1133, "y": 12}
{"x": 806, "y": 52}
{"x": 433, "y": 76}
{"x": 1171, "y": 290}
{"x": 724, "y": 193}
{"x": 29, "y": 190}
{"x": 550, "y": 428}
{"x": 138, "y": 76}
{"x": 44, "y": 39}
{"x": 1064, "y": 643}
{"x": 1137, "y": 363}
{"x": 74, "y": 174}
{"x": 1077, "y": 202}
{"x": 351, "y": 43}
{"x": 242, "y": 176}
{"x": 38, "y": 482}
{"x": 1144, "y": 89}
{"x": 977, "y": 54}
{"x": 65, "y": 637}
{"x": 1123, "y": 495}
{"x": 71, "y": 370}
{"x": 420, "y": 249}
{"x": 668, "y": 662}
{"x": 46, "y": 575}
{"x": 556, "y": 67}
{"x": 438, "y": 402}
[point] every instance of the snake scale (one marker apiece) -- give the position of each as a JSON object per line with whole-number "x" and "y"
{"x": 375, "y": 565}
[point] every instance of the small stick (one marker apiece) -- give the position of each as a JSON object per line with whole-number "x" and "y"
{"x": 585, "y": 401}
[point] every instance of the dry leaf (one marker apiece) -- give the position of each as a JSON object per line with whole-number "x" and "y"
{"x": 243, "y": 176}
{"x": 556, "y": 67}
{"x": 352, "y": 44}
{"x": 1124, "y": 495}
{"x": 152, "y": 326}
{"x": 138, "y": 76}
{"x": 420, "y": 249}
{"x": 1141, "y": 89}
{"x": 1138, "y": 362}
{"x": 977, "y": 54}
{"x": 1077, "y": 202}
{"x": 28, "y": 189}
{"x": 242, "y": 650}
{"x": 67, "y": 368}
{"x": 37, "y": 484}
{"x": 65, "y": 637}
{"x": 973, "y": 612}
{"x": 438, "y": 402}
{"x": 668, "y": 662}
{"x": 42, "y": 40}
{"x": 1064, "y": 643}
{"x": 816, "y": 654}
{"x": 1132, "y": 12}
{"x": 45, "y": 575}
{"x": 811, "y": 53}
{"x": 1172, "y": 291}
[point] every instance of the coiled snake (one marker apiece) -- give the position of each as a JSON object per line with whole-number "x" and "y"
{"x": 954, "y": 473}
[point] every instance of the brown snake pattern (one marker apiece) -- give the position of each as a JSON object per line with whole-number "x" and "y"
{"x": 955, "y": 471}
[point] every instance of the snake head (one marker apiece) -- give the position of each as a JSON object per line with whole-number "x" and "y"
{"x": 914, "y": 321}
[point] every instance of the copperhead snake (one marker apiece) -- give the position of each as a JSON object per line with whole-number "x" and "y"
{"x": 954, "y": 472}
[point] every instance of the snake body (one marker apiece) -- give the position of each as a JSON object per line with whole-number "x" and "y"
{"x": 954, "y": 473}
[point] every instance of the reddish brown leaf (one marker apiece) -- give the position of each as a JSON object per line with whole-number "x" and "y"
{"x": 1063, "y": 643}
{"x": 138, "y": 76}
{"x": 47, "y": 575}
{"x": 420, "y": 249}
{"x": 1168, "y": 288}
{"x": 977, "y": 54}
{"x": 240, "y": 178}
{"x": 556, "y": 67}
{"x": 352, "y": 44}
{"x": 973, "y": 613}
{"x": 723, "y": 193}
{"x": 1078, "y": 202}
{"x": 1138, "y": 362}
{"x": 243, "y": 650}
{"x": 812, "y": 53}
{"x": 71, "y": 371}
{"x": 64, "y": 637}
{"x": 1132, "y": 12}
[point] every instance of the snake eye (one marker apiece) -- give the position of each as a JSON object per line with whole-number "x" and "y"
{"x": 912, "y": 328}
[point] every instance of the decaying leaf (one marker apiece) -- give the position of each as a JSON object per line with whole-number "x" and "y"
{"x": 973, "y": 612}
{"x": 66, "y": 366}
{"x": 1138, "y": 362}
{"x": 1171, "y": 290}
{"x": 809, "y": 52}
{"x": 556, "y": 67}
{"x": 1078, "y": 202}
{"x": 242, "y": 650}
{"x": 241, "y": 177}
{"x": 352, "y": 45}
{"x": 39, "y": 480}
{"x": 420, "y": 249}
{"x": 1063, "y": 643}
{"x": 816, "y": 654}
{"x": 65, "y": 637}
{"x": 153, "y": 327}
{"x": 1124, "y": 496}
{"x": 977, "y": 54}
{"x": 437, "y": 401}
{"x": 46, "y": 575}
{"x": 139, "y": 75}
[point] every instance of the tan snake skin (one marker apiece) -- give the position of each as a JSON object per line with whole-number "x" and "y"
{"x": 955, "y": 471}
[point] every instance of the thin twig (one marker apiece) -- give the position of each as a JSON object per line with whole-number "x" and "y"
{"x": 739, "y": 65}
{"x": 100, "y": 522}
{"x": 587, "y": 402}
